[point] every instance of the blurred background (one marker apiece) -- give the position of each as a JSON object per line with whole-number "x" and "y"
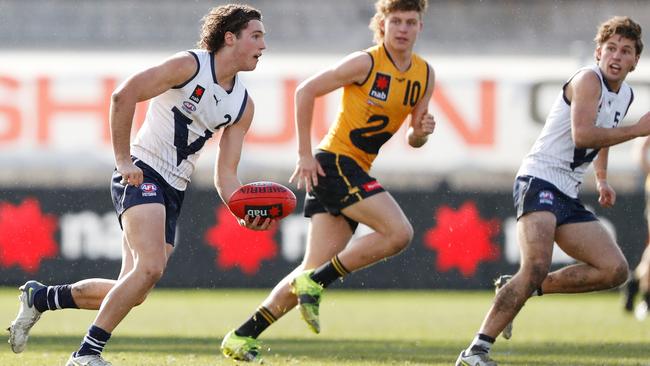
{"x": 499, "y": 65}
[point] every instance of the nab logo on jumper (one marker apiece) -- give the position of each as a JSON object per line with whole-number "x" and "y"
{"x": 197, "y": 94}
{"x": 270, "y": 211}
{"x": 380, "y": 87}
{"x": 148, "y": 189}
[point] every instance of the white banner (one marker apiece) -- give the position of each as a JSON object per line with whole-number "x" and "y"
{"x": 54, "y": 112}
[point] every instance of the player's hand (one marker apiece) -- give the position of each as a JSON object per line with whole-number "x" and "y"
{"x": 426, "y": 125}
{"x": 257, "y": 224}
{"x": 607, "y": 195}
{"x": 307, "y": 171}
{"x": 131, "y": 174}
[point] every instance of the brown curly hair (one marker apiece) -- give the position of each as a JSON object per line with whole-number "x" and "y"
{"x": 225, "y": 18}
{"x": 385, "y": 7}
{"x": 623, "y": 26}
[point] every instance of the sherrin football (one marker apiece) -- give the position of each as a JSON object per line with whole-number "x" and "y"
{"x": 265, "y": 199}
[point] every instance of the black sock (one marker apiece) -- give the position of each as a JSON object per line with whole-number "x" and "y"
{"x": 94, "y": 342}
{"x": 646, "y": 298}
{"x": 54, "y": 298}
{"x": 482, "y": 343}
{"x": 329, "y": 272}
{"x": 630, "y": 290}
{"x": 256, "y": 324}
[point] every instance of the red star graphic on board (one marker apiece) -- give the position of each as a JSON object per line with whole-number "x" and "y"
{"x": 462, "y": 239}
{"x": 382, "y": 82}
{"x": 238, "y": 246}
{"x": 26, "y": 235}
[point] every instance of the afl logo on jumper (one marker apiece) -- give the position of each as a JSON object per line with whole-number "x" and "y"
{"x": 189, "y": 107}
{"x": 380, "y": 87}
{"x": 148, "y": 189}
{"x": 546, "y": 198}
{"x": 197, "y": 94}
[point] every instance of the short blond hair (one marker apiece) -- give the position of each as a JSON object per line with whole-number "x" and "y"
{"x": 385, "y": 7}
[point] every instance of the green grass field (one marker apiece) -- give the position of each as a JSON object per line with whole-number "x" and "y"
{"x": 184, "y": 327}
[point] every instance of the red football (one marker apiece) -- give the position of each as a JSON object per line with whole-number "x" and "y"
{"x": 265, "y": 199}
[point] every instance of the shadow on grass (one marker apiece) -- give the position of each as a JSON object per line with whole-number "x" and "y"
{"x": 382, "y": 351}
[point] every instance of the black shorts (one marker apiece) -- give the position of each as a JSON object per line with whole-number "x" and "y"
{"x": 154, "y": 189}
{"x": 533, "y": 194}
{"x": 344, "y": 184}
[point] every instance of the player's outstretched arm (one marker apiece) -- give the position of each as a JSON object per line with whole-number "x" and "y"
{"x": 352, "y": 69}
{"x": 422, "y": 122}
{"x": 137, "y": 88}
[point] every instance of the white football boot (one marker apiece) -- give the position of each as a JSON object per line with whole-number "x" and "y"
{"x": 498, "y": 284}
{"x": 477, "y": 359}
{"x": 26, "y": 318}
{"x": 89, "y": 360}
{"x": 641, "y": 311}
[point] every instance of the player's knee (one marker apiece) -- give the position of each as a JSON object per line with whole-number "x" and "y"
{"x": 151, "y": 271}
{"x": 535, "y": 272}
{"x": 400, "y": 238}
{"x": 618, "y": 275}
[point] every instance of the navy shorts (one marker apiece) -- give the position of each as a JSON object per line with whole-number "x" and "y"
{"x": 533, "y": 194}
{"x": 154, "y": 189}
{"x": 345, "y": 183}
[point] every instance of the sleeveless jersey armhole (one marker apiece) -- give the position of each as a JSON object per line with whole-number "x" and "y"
{"x": 566, "y": 100}
{"x": 198, "y": 66}
{"x": 426, "y": 86}
{"x": 243, "y": 107}
{"x": 372, "y": 66}
{"x": 630, "y": 103}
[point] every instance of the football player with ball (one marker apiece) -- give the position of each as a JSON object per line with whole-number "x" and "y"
{"x": 152, "y": 173}
{"x": 382, "y": 86}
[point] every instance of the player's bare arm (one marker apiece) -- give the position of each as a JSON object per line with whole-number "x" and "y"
{"x": 584, "y": 92}
{"x": 643, "y": 155}
{"x": 227, "y": 161}
{"x": 422, "y": 122}
{"x": 607, "y": 195}
{"x": 352, "y": 69}
{"x": 140, "y": 87}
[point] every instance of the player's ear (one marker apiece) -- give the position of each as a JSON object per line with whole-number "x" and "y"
{"x": 636, "y": 61}
{"x": 229, "y": 38}
{"x": 597, "y": 53}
